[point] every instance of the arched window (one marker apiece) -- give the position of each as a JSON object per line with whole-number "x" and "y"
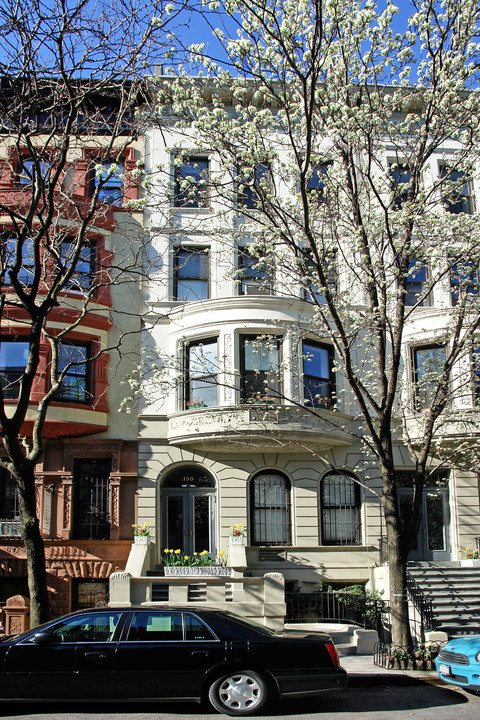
{"x": 270, "y": 509}
{"x": 339, "y": 510}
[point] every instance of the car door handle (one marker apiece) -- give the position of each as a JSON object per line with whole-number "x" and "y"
{"x": 202, "y": 653}
{"x": 95, "y": 655}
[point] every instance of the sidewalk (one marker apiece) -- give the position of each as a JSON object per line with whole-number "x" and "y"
{"x": 361, "y": 667}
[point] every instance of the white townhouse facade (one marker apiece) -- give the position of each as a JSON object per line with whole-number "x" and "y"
{"x": 250, "y": 423}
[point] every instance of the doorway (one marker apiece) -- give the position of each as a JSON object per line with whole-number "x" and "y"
{"x": 433, "y": 539}
{"x": 188, "y": 505}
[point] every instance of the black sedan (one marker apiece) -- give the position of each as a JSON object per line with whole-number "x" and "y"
{"x": 167, "y": 654}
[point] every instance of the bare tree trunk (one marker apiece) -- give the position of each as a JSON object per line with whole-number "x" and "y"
{"x": 34, "y": 547}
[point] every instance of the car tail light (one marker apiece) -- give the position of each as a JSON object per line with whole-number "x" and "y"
{"x": 332, "y": 651}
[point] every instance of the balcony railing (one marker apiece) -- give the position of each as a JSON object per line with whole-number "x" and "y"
{"x": 10, "y": 528}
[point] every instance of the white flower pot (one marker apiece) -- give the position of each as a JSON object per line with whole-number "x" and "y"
{"x": 470, "y": 562}
{"x": 142, "y": 539}
{"x": 197, "y": 571}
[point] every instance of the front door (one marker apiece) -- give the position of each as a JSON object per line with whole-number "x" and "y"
{"x": 433, "y": 539}
{"x": 188, "y": 511}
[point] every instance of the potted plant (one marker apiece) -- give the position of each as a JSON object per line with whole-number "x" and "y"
{"x": 141, "y": 533}
{"x": 470, "y": 558}
{"x": 237, "y": 534}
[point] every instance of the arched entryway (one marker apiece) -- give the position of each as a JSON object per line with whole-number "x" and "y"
{"x": 188, "y": 505}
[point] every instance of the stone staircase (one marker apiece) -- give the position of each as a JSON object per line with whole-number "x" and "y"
{"x": 455, "y": 595}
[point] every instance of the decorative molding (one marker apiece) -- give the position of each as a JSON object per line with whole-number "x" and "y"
{"x": 67, "y": 484}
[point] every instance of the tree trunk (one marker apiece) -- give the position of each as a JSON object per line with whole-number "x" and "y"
{"x": 34, "y": 547}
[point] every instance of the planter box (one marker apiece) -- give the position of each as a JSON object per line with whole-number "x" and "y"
{"x": 199, "y": 571}
{"x": 142, "y": 539}
{"x": 470, "y": 562}
{"x": 236, "y": 539}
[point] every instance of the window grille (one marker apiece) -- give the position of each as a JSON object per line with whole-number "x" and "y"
{"x": 270, "y": 505}
{"x": 340, "y": 510}
{"x": 91, "y": 482}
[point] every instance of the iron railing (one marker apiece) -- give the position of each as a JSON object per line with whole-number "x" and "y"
{"x": 334, "y": 606}
{"x": 10, "y": 528}
{"x": 422, "y": 606}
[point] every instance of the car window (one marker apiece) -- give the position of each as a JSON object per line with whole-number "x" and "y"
{"x": 155, "y": 626}
{"x": 93, "y": 627}
{"x": 195, "y": 629}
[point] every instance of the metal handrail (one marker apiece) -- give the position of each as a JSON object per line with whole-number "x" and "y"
{"x": 422, "y": 604}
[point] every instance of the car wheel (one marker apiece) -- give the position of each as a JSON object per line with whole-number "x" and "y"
{"x": 239, "y": 693}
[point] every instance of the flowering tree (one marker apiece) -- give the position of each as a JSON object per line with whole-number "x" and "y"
{"x": 350, "y": 151}
{"x": 70, "y": 91}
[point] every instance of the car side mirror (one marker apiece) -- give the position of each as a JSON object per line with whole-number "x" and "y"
{"x": 44, "y": 637}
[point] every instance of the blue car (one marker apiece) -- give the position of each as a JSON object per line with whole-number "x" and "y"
{"x": 459, "y": 663}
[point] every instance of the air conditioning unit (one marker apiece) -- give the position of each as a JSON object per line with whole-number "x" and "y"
{"x": 257, "y": 289}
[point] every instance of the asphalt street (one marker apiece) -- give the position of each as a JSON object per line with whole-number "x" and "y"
{"x": 366, "y": 698}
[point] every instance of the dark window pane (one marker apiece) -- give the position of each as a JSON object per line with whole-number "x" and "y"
{"x": 260, "y": 368}
{"x": 74, "y": 387}
{"x": 317, "y": 373}
{"x": 89, "y": 627}
{"x": 195, "y": 629}
{"x": 248, "y": 185}
{"x": 191, "y": 274}
{"x": 416, "y": 279}
{"x": 400, "y": 180}
{"x": 463, "y": 280}
{"x": 457, "y": 199}
{"x": 191, "y": 183}
{"x": 9, "y": 510}
{"x": 111, "y": 182}
{"x": 26, "y": 271}
{"x": 13, "y": 360}
{"x": 429, "y": 363}
{"x": 82, "y": 277}
{"x": 339, "y": 510}
{"x": 28, "y": 169}
{"x": 270, "y": 497}
{"x": 156, "y": 627}
{"x": 255, "y": 276}
{"x": 316, "y": 181}
{"x": 91, "y": 480}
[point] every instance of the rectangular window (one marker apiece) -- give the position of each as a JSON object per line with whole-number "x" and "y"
{"x": 75, "y": 386}
{"x": 9, "y": 509}
{"x": 317, "y": 375}
{"x": 463, "y": 280}
{"x": 250, "y": 184}
{"x": 254, "y": 274}
{"x": 428, "y": 367}
{"x": 110, "y": 181}
{"x": 10, "y": 245}
{"x": 13, "y": 360}
{"x": 316, "y": 181}
{"x": 313, "y": 291}
{"x": 191, "y": 182}
{"x": 201, "y": 374}
{"x": 190, "y": 274}
{"x": 400, "y": 175}
{"x": 87, "y": 593}
{"x": 457, "y": 198}
{"x": 29, "y": 168}
{"x": 476, "y": 375}
{"x": 83, "y": 276}
{"x": 416, "y": 281}
{"x": 260, "y": 368}
{"x": 91, "y": 479}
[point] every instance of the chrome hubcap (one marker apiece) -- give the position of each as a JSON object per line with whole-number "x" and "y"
{"x": 240, "y": 692}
